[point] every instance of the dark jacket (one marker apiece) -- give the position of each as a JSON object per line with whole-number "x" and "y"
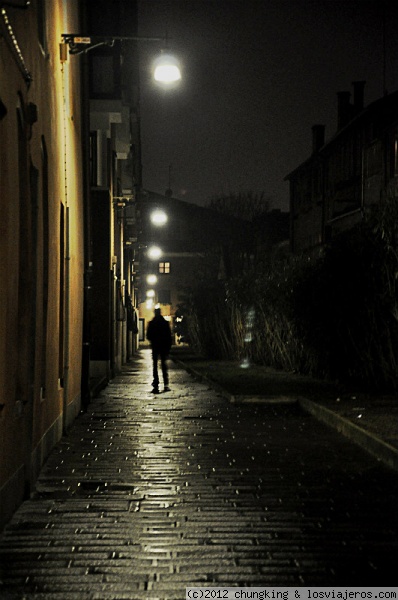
{"x": 159, "y": 334}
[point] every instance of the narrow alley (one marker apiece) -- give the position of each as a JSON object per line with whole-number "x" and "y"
{"x": 149, "y": 494}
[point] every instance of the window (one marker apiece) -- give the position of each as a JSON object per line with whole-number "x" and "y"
{"x": 164, "y": 297}
{"x": 164, "y": 267}
{"x": 3, "y": 110}
{"x": 93, "y": 158}
{"x": 45, "y": 262}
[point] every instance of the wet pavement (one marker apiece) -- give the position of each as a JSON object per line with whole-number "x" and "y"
{"x": 149, "y": 494}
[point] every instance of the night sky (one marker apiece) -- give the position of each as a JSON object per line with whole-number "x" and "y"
{"x": 256, "y": 76}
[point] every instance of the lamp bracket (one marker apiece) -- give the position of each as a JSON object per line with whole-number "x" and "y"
{"x": 122, "y": 201}
{"x": 20, "y": 4}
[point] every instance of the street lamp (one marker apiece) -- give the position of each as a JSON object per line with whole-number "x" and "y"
{"x": 154, "y": 252}
{"x": 159, "y": 217}
{"x": 166, "y": 69}
{"x": 166, "y": 66}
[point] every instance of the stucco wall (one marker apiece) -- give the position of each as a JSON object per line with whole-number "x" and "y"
{"x": 41, "y": 216}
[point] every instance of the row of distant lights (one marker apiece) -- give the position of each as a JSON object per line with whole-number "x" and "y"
{"x": 158, "y": 218}
{"x": 167, "y": 71}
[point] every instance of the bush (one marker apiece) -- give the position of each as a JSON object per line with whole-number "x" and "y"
{"x": 335, "y": 316}
{"x": 344, "y": 311}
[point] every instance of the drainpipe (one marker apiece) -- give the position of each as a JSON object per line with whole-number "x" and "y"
{"x": 85, "y": 376}
{"x": 67, "y": 325}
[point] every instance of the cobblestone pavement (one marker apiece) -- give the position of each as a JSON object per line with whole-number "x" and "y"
{"x": 149, "y": 494}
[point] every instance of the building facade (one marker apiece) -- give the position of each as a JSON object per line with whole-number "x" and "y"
{"x": 114, "y": 184}
{"x": 41, "y": 242}
{"x": 344, "y": 178}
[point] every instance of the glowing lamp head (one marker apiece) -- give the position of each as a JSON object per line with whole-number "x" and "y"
{"x": 154, "y": 252}
{"x": 166, "y": 69}
{"x": 151, "y": 279}
{"x": 159, "y": 217}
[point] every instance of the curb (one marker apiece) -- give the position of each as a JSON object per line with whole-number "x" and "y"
{"x": 240, "y": 399}
{"x": 376, "y": 447}
{"x": 379, "y": 449}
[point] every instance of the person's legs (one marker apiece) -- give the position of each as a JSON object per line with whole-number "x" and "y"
{"x": 155, "y": 356}
{"x": 165, "y": 373}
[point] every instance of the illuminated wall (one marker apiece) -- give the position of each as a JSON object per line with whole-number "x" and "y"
{"x": 41, "y": 242}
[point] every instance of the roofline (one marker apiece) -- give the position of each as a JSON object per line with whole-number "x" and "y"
{"x": 359, "y": 116}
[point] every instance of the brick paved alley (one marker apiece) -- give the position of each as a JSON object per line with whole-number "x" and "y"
{"x": 148, "y": 494}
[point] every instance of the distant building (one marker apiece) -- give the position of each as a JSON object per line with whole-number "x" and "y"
{"x": 343, "y": 178}
{"x": 193, "y": 237}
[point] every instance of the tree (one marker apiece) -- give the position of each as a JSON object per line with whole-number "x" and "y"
{"x": 243, "y": 205}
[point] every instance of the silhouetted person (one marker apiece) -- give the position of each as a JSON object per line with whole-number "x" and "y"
{"x": 159, "y": 334}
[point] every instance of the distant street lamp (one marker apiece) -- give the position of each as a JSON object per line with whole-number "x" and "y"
{"x": 159, "y": 217}
{"x": 154, "y": 252}
{"x": 151, "y": 279}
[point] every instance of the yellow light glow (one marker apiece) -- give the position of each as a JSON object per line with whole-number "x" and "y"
{"x": 150, "y": 294}
{"x": 151, "y": 279}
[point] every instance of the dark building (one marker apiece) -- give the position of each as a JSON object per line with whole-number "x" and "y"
{"x": 344, "y": 177}
{"x": 192, "y": 237}
{"x": 115, "y": 180}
